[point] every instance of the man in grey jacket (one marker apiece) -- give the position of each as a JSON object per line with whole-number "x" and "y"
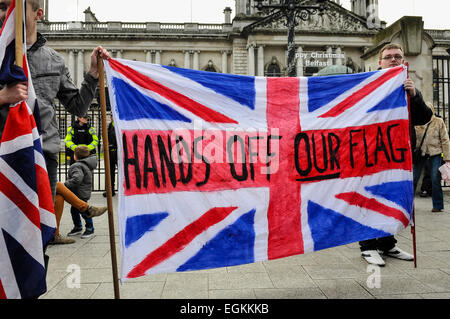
{"x": 51, "y": 79}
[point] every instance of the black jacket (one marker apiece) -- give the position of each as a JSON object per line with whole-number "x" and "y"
{"x": 420, "y": 115}
{"x": 112, "y": 142}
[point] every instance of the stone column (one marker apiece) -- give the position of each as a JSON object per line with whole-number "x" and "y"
{"x": 252, "y": 6}
{"x": 119, "y": 54}
{"x": 251, "y": 59}
{"x": 338, "y": 52}
{"x": 227, "y": 13}
{"x": 195, "y": 62}
{"x": 299, "y": 61}
{"x": 329, "y": 51}
{"x": 224, "y": 61}
{"x": 240, "y": 6}
{"x": 148, "y": 56}
{"x": 187, "y": 60}
{"x": 80, "y": 67}
{"x": 71, "y": 64}
{"x": 260, "y": 60}
{"x": 158, "y": 57}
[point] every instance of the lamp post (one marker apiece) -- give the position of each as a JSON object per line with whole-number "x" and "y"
{"x": 292, "y": 10}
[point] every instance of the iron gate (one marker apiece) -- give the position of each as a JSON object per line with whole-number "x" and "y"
{"x": 441, "y": 87}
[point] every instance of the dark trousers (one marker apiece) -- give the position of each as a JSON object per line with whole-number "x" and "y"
{"x": 383, "y": 243}
{"x": 426, "y": 182}
{"x": 437, "y": 196}
{"x": 112, "y": 166}
{"x": 76, "y": 218}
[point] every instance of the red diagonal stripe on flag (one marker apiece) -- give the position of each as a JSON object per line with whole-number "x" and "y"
{"x": 192, "y": 106}
{"x": 360, "y": 94}
{"x": 2, "y": 291}
{"x": 20, "y": 200}
{"x": 356, "y": 199}
{"x": 181, "y": 239}
{"x": 44, "y": 190}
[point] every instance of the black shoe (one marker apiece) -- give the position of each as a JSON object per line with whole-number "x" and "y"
{"x": 75, "y": 231}
{"x": 87, "y": 233}
{"x": 424, "y": 194}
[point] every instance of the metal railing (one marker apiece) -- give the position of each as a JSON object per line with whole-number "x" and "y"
{"x": 441, "y": 87}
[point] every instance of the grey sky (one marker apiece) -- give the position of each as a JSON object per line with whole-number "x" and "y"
{"x": 434, "y": 12}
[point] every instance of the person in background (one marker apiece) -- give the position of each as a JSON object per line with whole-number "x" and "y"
{"x": 81, "y": 133}
{"x": 63, "y": 194}
{"x": 112, "y": 142}
{"x": 435, "y": 148}
{"x": 79, "y": 181}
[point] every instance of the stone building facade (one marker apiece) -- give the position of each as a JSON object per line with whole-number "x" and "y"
{"x": 256, "y": 44}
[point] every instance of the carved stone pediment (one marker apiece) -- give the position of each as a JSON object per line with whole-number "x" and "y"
{"x": 334, "y": 19}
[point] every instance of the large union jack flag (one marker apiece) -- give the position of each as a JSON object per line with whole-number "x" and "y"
{"x": 27, "y": 219}
{"x": 219, "y": 170}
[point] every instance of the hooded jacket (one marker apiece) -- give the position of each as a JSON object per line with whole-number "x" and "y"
{"x": 80, "y": 177}
{"x": 420, "y": 114}
{"x": 51, "y": 79}
{"x": 436, "y": 141}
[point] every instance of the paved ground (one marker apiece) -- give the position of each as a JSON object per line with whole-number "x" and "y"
{"x": 337, "y": 273}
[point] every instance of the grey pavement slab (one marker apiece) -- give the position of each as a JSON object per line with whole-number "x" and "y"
{"x": 336, "y": 273}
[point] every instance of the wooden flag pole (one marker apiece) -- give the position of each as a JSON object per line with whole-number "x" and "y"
{"x": 19, "y": 33}
{"x": 413, "y": 226}
{"x": 101, "y": 81}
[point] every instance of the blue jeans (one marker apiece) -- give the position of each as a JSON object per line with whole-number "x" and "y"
{"x": 435, "y": 162}
{"x": 77, "y": 219}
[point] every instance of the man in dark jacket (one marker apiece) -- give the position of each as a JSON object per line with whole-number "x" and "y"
{"x": 112, "y": 143}
{"x": 391, "y": 55}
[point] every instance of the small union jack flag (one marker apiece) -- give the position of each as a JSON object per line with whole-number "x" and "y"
{"x": 219, "y": 170}
{"x": 27, "y": 219}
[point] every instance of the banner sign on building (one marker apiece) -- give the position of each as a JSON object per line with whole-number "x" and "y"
{"x": 219, "y": 170}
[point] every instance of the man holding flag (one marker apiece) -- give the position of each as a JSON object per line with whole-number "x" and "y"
{"x": 28, "y": 169}
{"x": 390, "y": 56}
{"x": 52, "y": 80}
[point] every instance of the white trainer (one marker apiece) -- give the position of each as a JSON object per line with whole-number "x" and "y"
{"x": 399, "y": 254}
{"x": 373, "y": 257}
